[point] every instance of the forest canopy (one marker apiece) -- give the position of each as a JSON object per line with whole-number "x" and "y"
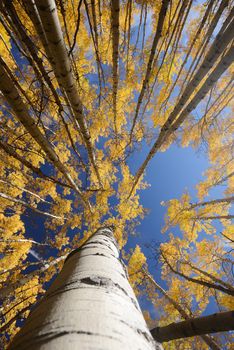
{"x": 84, "y": 86}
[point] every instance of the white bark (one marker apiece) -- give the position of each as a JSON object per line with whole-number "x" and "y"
{"x": 115, "y": 54}
{"x": 63, "y": 70}
{"x": 25, "y": 190}
{"x": 169, "y": 128}
{"x": 91, "y": 305}
{"x": 157, "y": 36}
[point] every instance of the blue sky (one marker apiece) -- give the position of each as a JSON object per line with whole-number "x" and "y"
{"x": 170, "y": 174}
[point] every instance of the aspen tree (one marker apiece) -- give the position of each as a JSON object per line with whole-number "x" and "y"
{"x": 84, "y": 87}
{"x": 115, "y": 318}
{"x": 115, "y": 54}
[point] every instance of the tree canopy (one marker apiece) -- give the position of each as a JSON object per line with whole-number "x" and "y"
{"x": 84, "y": 85}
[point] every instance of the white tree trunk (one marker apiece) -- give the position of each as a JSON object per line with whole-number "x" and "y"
{"x": 91, "y": 305}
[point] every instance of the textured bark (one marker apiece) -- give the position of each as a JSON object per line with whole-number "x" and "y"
{"x": 89, "y": 306}
{"x": 206, "y": 338}
{"x": 219, "y": 322}
{"x": 63, "y": 70}
{"x": 36, "y": 20}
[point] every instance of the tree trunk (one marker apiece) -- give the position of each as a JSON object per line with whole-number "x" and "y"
{"x": 168, "y": 128}
{"x": 220, "y": 322}
{"x": 157, "y": 36}
{"x": 27, "y": 205}
{"x": 215, "y": 201}
{"x": 198, "y": 281}
{"x": 89, "y": 306}
{"x": 205, "y": 337}
{"x": 22, "y": 114}
{"x": 63, "y": 70}
{"x": 217, "y": 217}
{"x": 115, "y": 54}
{"x": 11, "y": 152}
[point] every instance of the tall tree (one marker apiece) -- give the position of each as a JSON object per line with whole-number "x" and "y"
{"x": 84, "y": 86}
{"x": 59, "y": 320}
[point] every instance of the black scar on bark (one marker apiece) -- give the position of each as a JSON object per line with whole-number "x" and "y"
{"x": 40, "y": 339}
{"x": 92, "y": 281}
{"x": 106, "y": 282}
{"x": 105, "y": 233}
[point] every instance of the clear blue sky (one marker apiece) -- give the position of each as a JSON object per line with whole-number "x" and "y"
{"x": 170, "y": 173}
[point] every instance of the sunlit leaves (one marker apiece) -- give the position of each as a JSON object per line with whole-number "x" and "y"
{"x": 31, "y": 174}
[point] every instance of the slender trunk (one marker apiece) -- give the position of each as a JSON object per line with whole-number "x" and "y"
{"x": 168, "y": 44}
{"x": 24, "y": 204}
{"x": 139, "y": 27}
{"x": 30, "y": 47}
{"x": 62, "y": 69}
{"x": 95, "y": 45}
{"x": 89, "y": 306}
{"x": 22, "y": 114}
{"x": 202, "y": 48}
{"x": 219, "y": 45}
{"x": 23, "y": 240}
{"x": 199, "y": 281}
{"x": 11, "y": 152}
{"x": 196, "y": 36}
{"x": 161, "y": 18}
{"x": 6, "y": 291}
{"x": 206, "y": 338}
{"x": 218, "y": 217}
{"x": 77, "y": 28}
{"x": 115, "y": 54}
{"x": 129, "y": 34}
{"x": 212, "y": 277}
{"x": 219, "y": 322}
{"x": 168, "y": 128}
{"x": 25, "y": 190}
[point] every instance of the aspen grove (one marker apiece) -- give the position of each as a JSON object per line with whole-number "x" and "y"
{"x": 84, "y": 87}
